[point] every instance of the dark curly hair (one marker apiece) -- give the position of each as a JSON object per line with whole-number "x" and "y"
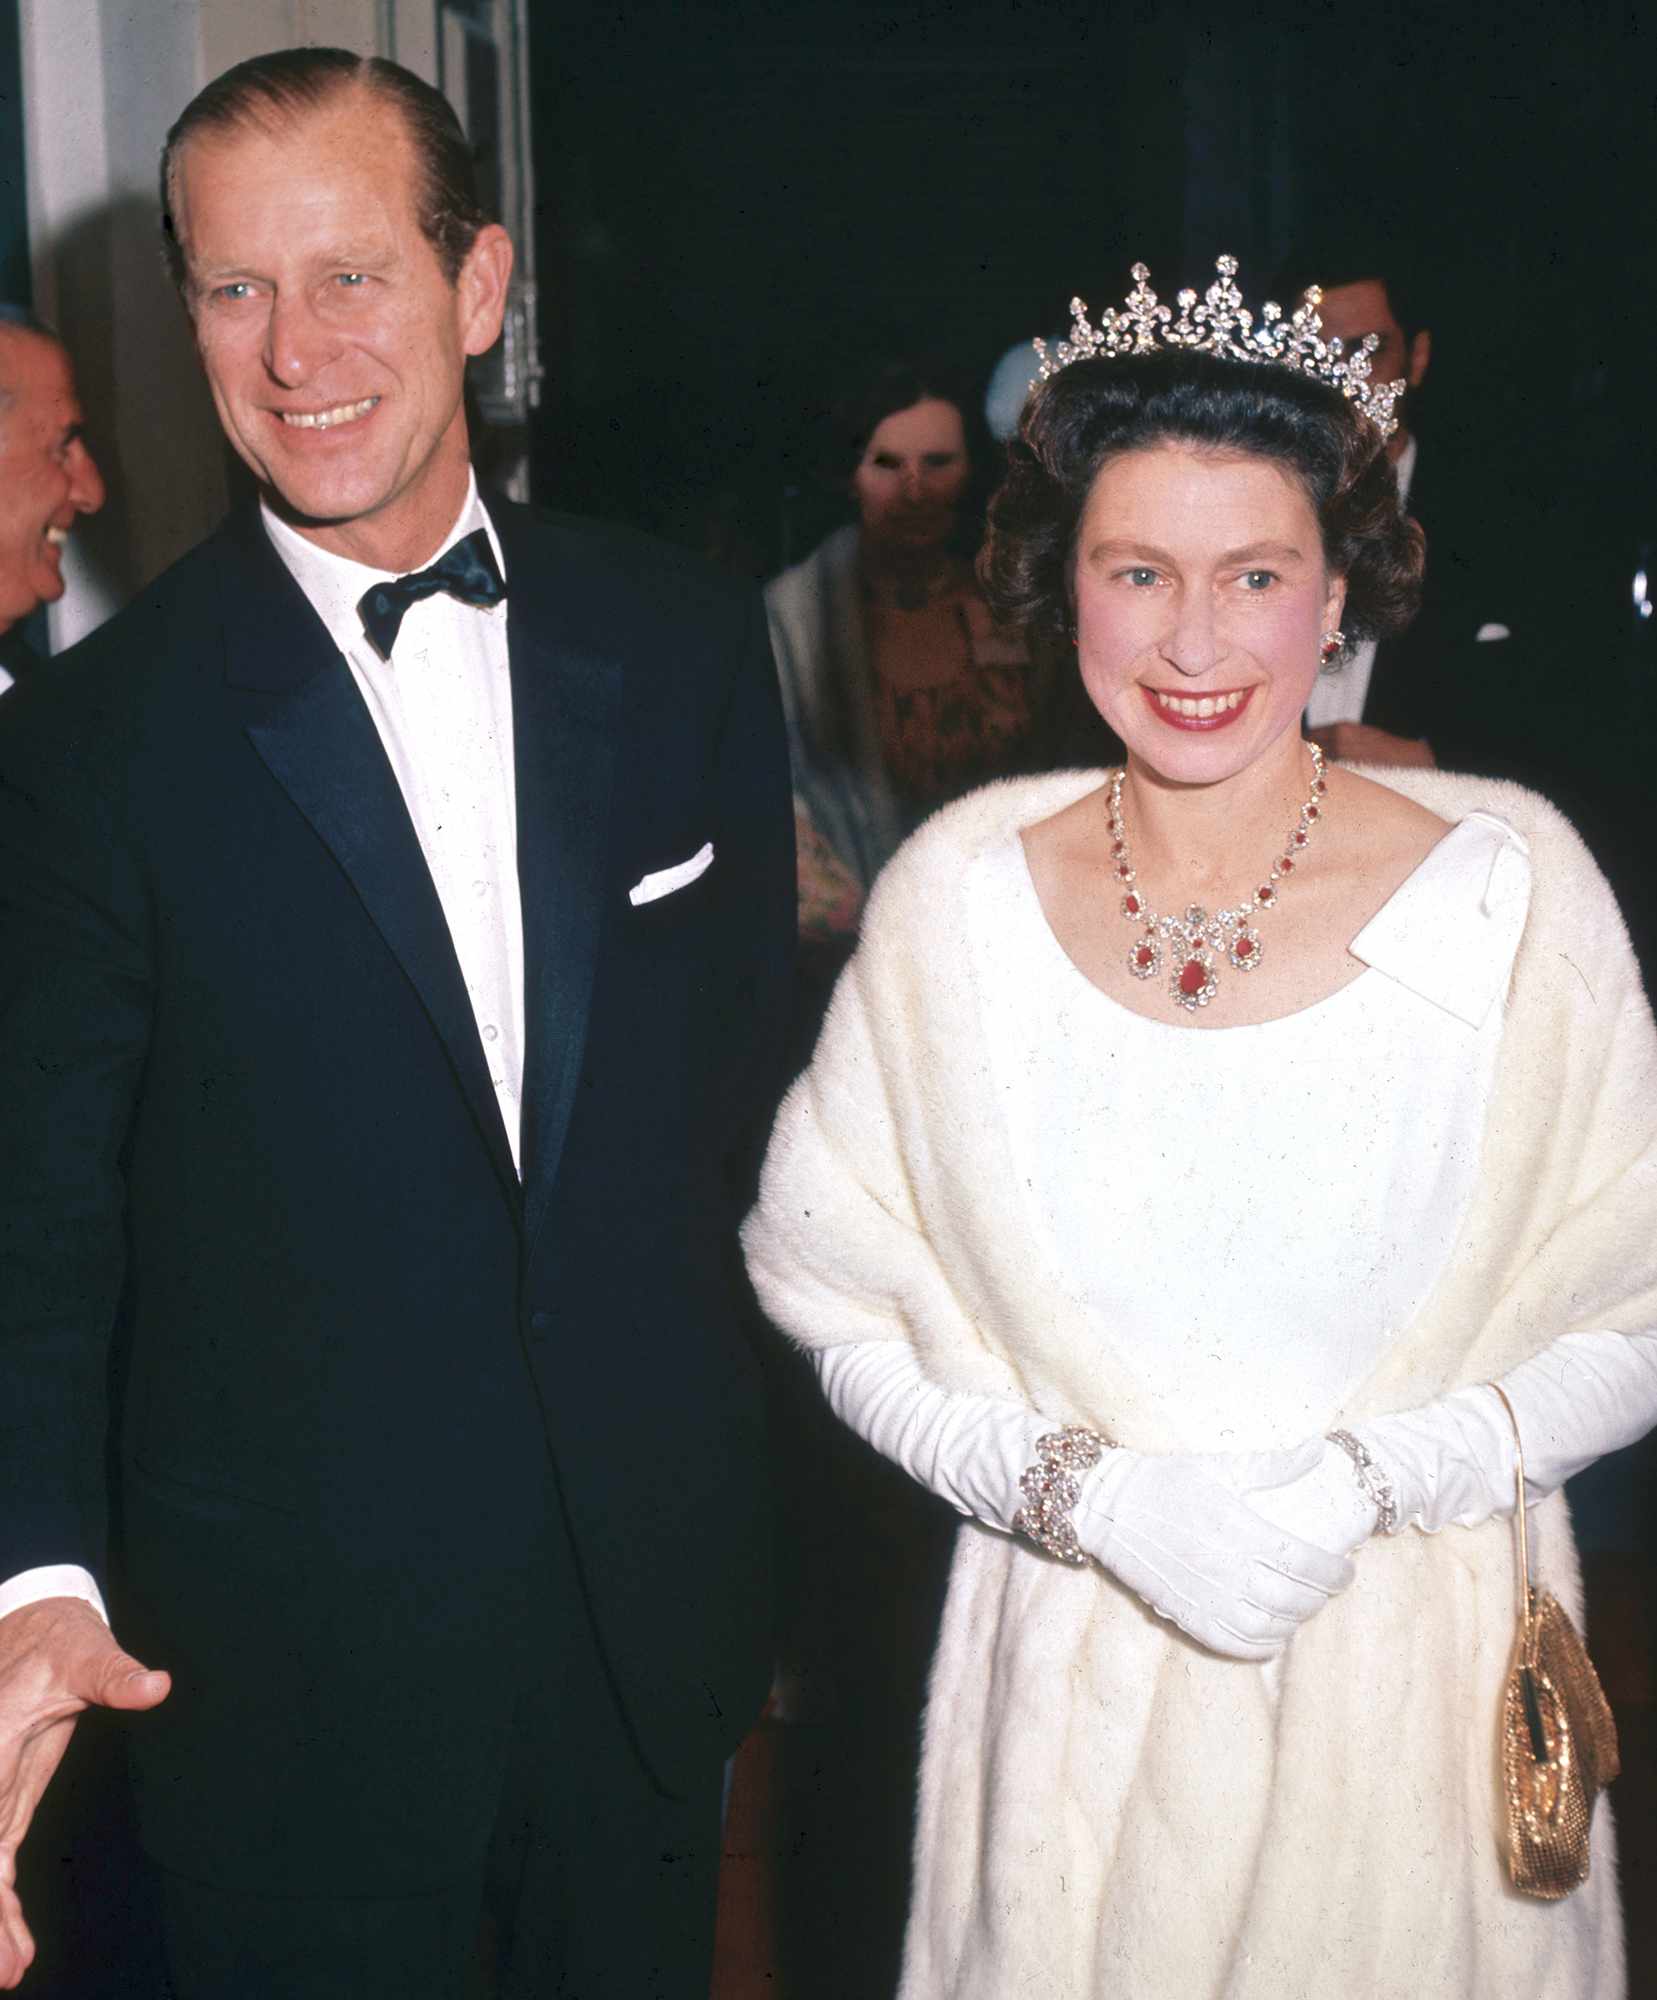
{"x": 1094, "y": 411}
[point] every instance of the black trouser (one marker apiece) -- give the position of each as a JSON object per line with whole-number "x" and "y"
{"x": 595, "y": 1885}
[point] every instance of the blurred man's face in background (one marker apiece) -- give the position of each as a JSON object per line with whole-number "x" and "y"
{"x": 47, "y": 475}
{"x": 1350, "y": 311}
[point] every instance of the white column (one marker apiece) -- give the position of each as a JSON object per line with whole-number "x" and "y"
{"x": 66, "y": 167}
{"x": 102, "y": 80}
{"x": 409, "y": 35}
{"x": 233, "y": 30}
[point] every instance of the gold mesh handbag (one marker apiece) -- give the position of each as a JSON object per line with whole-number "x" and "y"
{"x": 1558, "y": 1741}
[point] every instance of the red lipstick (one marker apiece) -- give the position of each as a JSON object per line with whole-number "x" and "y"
{"x": 1160, "y": 702}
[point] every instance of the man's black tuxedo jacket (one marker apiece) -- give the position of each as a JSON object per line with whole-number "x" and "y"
{"x": 256, "y": 1198}
{"x": 17, "y": 656}
{"x": 1494, "y": 706}
{"x": 1556, "y": 705}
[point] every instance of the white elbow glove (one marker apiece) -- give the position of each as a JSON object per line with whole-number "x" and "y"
{"x": 969, "y": 1450}
{"x": 1179, "y": 1531}
{"x": 1325, "y": 1505}
{"x": 1452, "y": 1462}
{"x": 1188, "y": 1533}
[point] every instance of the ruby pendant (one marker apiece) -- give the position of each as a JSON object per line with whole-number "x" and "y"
{"x": 1194, "y": 982}
{"x": 1193, "y": 979}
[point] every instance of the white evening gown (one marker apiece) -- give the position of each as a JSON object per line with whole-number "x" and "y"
{"x": 992, "y": 1166}
{"x": 1254, "y": 1211}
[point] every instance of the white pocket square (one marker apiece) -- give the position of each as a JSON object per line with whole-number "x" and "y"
{"x": 1487, "y": 632}
{"x": 666, "y": 880}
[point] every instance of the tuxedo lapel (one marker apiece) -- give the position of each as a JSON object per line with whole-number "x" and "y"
{"x": 319, "y": 742}
{"x": 566, "y": 706}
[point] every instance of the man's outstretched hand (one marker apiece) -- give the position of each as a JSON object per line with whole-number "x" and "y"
{"x": 57, "y": 1657}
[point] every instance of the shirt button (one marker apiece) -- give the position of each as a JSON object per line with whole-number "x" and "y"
{"x": 490, "y": 1032}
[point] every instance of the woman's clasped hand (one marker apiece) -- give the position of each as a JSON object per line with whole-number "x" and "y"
{"x": 1188, "y": 1533}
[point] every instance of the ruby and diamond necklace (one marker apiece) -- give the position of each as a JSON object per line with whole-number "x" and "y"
{"x": 1195, "y": 943}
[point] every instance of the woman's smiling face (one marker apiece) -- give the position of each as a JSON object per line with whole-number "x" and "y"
{"x": 1201, "y": 600}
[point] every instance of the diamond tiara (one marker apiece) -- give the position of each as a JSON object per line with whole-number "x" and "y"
{"x": 1221, "y": 324}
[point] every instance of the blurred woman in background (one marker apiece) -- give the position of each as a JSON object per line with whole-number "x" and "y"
{"x": 900, "y": 689}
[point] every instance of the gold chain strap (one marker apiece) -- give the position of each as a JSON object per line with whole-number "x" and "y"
{"x": 1527, "y": 1623}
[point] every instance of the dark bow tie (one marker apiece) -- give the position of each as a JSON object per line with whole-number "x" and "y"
{"x": 468, "y": 571}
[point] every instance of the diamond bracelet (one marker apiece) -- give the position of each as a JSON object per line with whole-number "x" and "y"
{"x": 1052, "y": 1486}
{"x": 1377, "y": 1487}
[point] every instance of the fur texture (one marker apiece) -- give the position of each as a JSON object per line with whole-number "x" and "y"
{"x": 1105, "y": 1807}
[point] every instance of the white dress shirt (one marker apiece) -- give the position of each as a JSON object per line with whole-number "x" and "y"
{"x": 442, "y": 705}
{"x": 1340, "y": 694}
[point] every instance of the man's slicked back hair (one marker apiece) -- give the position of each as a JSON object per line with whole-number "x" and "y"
{"x": 270, "y": 89}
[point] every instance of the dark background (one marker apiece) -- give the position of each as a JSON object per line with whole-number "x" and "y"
{"x": 739, "y": 205}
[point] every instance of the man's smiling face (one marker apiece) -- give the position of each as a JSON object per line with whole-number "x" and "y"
{"x": 47, "y": 475}
{"x": 334, "y": 344}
